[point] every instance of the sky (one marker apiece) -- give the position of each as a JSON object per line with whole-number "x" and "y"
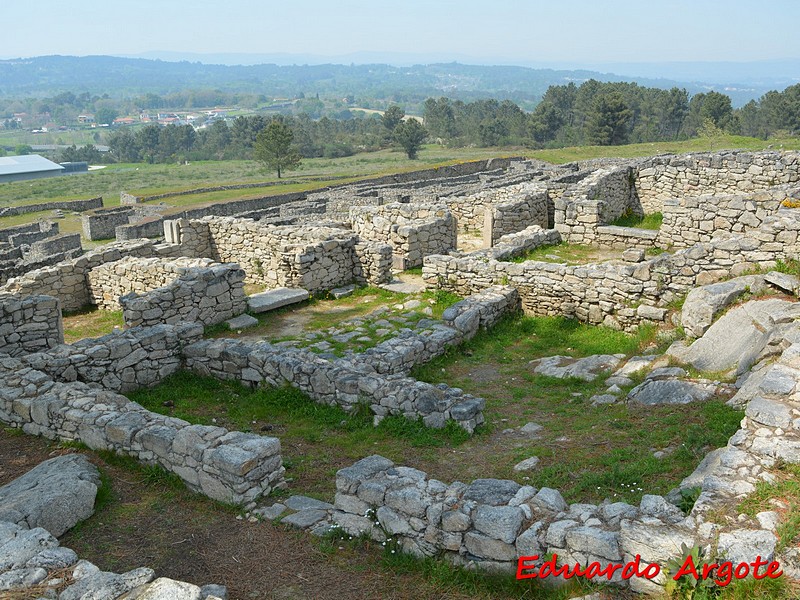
{"x": 575, "y": 32}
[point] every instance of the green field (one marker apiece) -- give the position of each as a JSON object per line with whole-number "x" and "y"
{"x": 151, "y": 179}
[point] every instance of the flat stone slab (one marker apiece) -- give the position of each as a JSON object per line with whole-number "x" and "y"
{"x": 55, "y": 495}
{"x": 241, "y": 322}
{"x": 737, "y": 339}
{"x": 305, "y": 518}
{"x": 583, "y": 368}
{"x": 342, "y": 292}
{"x": 403, "y": 287}
{"x": 703, "y": 304}
{"x": 783, "y": 281}
{"x": 671, "y": 391}
{"x": 272, "y": 299}
{"x": 305, "y": 503}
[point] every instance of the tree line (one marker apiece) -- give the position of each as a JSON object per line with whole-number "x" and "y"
{"x": 592, "y": 113}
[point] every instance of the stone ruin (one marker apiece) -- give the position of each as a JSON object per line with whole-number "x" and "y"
{"x": 724, "y": 215}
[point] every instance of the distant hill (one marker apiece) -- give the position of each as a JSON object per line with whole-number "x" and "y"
{"x": 48, "y": 75}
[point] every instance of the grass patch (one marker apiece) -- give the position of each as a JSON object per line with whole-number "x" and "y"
{"x": 790, "y": 266}
{"x": 90, "y": 323}
{"x": 786, "y": 488}
{"x": 446, "y": 576}
{"x": 317, "y": 439}
{"x": 651, "y": 221}
{"x": 587, "y": 452}
{"x": 559, "y": 253}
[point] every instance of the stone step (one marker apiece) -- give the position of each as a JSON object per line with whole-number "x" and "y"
{"x": 241, "y": 322}
{"x": 272, "y": 299}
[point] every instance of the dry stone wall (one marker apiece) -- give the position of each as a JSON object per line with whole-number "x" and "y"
{"x": 313, "y": 258}
{"x": 208, "y": 296}
{"x": 459, "y": 323}
{"x": 109, "y": 281}
{"x": 122, "y": 361}
{"x": 29, "y": 323}
{"x": 58, "y": 244}
{"x": 663, "y": 177}
{"x": 341, "y": 382}
{"x": 414, "y": 231}
{"x": 68, "y": 280}
{"x": 75, "y": 205}
{"x": 101, "y": 224}
{"x": 597, "y": 200}
{"x": 619, "y": 294}
{"x": 227, "y": 466}
{"x": 693, "y": 219}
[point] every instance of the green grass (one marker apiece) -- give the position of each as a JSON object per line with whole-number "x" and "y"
{"x": 90, "y": 323}
{"x": 785, "y": 488}
{"x": 316, "y": 439}
{"x": 587, "y": 452}
{"x": 790, "y": 266}
{"x": 564, "y": 155}
{"x": 558, "y": 253}
{"x": 651, "y": 221}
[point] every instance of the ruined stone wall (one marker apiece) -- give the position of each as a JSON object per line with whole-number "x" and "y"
{"x": 663, "y": 177}
{"x": 491, "y": 523}
{"x": 208, "y": 295}
{"x": 227, "y": 466}
{"x": 619, "y": 294}
{"x": 414, "y": 231}
{"x": 122, "y": 361}
{"x": 313, "y": 258}
{"x": 29, "y": 323}
{"x": 109, "y": 281}
{"x": 101, "y": 224}
{"x": 459, "y": 323}
{"x": 596, "y": 200}
{"x": 57, "y": 244}
{"x": 42, "y": 231}
{"x": 67, "y": 280}
{"x": 51, "y": 226}
{"x": 693, "y": 219}
{"x": 150, "y": 227}
{"x": 470, "y": 210}
{"x": 340, "y": 382}
{"x": 76, "y": 205}
{"x": 529, "y": 208}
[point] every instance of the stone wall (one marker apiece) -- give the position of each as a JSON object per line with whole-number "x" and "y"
{"x": 313, "y": 258}
{"x": 693, "y": 219}
{"x": 207, "y": 295}
{"x": 40, "y": 231}
{"x": 109, "y": 281}
{"x": 29, "y": 323}
{"x": 459, "y": 323}
{"x": 596, "y": 200}
{"x": 75, "y": 205}
{"x": 491, "y": 523}
{"x": 58, "y": 244}
{"x": 414, "y": 231}
{"x": 619, "y": 294}
{"x": 149, "y": 227}
{"x": 614, "y": 236}
{"x": 511, "y": 216}
{"x": 5, "y": 234}
{"x": 340, "y": 382}
{"x": 664, "y": 177}
{"x": 68, "y": 280}
{"x": 101, "y": 224}
{"x": 122, "y": 361}
{"x": 227, "y": 466}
